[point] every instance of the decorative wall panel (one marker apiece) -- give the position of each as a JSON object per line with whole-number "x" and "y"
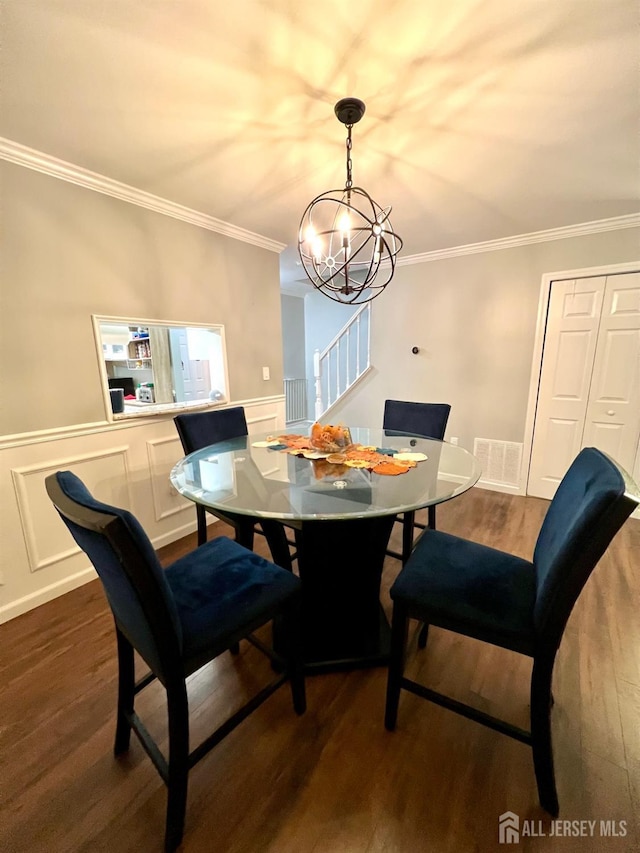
{"x": 46, "y": 538}
{"x": 163, "y": 453}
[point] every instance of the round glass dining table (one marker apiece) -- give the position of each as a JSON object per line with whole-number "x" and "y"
{"x": 341, "y": 517}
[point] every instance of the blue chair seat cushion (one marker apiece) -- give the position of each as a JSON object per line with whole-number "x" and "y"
{"x": 470, "y": 588}
{"x": 221, "y": 589}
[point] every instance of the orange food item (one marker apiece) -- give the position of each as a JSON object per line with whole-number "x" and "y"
{"x": 390, "y": 469}
{"x": 323, "y": 468}
{"x": 299, "y": 442}
{"x": 359, "y": 453}
{"x": 329, "y": 438}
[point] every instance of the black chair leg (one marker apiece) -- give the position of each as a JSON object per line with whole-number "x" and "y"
{"x": 201, "y": 516}
{"x": 423, "y": 635}
{"x": 431, "y": 514}
{"x": 178, "y": 776}
{"x": 399, "y": 629}
{"x": 276, "y": 537}
{"x": 244, "y": 531}
{"x": 126, "y": 691}
{"x": 541, "y": 701}
{"x": 292, "y": 619}
{"x": 407, "y": 535}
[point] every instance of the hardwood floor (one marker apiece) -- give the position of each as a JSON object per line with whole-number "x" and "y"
{"x": 332, "y": 781}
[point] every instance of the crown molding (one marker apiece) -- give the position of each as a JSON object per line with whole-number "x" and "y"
{"x": 21, "y": 155}
{"x": 30, "y": 158}
{"x": 631, "y": 220}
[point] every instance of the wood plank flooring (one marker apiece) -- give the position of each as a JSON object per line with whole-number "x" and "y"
{"x": 332, "y": 781}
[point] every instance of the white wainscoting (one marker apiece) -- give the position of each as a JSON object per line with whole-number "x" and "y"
{"x": 126, "y": 463}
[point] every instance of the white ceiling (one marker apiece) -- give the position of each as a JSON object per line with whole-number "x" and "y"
{"x": 485, "y": 118}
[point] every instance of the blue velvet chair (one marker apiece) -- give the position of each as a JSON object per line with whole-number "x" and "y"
{"x": 511, "y": 602}
{"x": 427, "y": 420}
{"x": 179, "y": 619}
{"x": 200, "y": 429}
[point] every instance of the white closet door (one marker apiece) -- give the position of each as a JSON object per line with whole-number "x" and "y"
{"x": 613, "y": 414}
{"x": 589, "y": 383}
{"x": 569, "y": 349}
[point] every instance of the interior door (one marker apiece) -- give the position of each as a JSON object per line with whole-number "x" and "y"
{"x": 589, "y": 391}
{"x": 176, "y": 340}
{"x": 613, "y": 413}
{"x": 569, "y": 348}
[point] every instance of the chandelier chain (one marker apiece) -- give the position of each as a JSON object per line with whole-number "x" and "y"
{"x": 349, "y": 145}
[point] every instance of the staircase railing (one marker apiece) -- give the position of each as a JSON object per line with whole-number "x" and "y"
{"x": 343, "y": 362}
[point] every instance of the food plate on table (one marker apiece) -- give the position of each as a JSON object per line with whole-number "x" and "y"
{"x": 407, "y": 456}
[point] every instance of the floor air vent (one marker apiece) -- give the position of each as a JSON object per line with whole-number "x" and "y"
{"x": 500, "y": 460}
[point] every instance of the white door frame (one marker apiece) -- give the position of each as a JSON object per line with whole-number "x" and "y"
{"x": 538, "y": 348}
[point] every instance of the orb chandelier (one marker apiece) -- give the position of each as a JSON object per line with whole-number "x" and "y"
{"x": 346, "y": 243}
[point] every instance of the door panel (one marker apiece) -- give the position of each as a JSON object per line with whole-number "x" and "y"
{"x": 569, "y": 348}
{"x": 199, "y": 382}
{"x": 612, "y": 420}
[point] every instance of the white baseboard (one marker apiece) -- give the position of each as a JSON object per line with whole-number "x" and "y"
{"x": 47, "y": 593}
{"x": 506, "y": 488}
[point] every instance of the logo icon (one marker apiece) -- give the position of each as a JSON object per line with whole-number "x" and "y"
{"x": 508, "y": 828}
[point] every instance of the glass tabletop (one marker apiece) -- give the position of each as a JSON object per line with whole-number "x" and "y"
{"x": 250, "y": 476}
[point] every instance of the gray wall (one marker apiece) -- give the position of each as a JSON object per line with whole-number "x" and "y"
{"x": 293, "y": 336}
{"x": 474, "y": 319}
{"x": 68, "y": 253}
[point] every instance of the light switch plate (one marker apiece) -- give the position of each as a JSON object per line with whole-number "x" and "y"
{"x": 266, "y": 373}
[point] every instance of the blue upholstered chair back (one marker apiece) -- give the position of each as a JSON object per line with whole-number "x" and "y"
{"x": 200, "y": 429}
{"x": 135, "y": 585}
{"x": 586, "y": 512}
{"x": 423, "y": 419}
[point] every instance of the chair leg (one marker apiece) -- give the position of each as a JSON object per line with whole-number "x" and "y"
{"x": 126, "y": 692}
{"x": 244, "y": 531}
{"x": 407, "y": 535}
{"x": 422, "y": 636}
{"x": 399, "y": 629}
{"x": 201, "y": 517}
{"x": 541, "y": 701}
{"x": 292, "y": 623}
{"x": 431, "y": 515}
{"x": 178, "y": 711}
{"x": 276, "y": 537}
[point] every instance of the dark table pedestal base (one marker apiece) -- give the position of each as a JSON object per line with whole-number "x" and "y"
{"x": 334, "y": 652}
{"x": 340, "y": 565}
